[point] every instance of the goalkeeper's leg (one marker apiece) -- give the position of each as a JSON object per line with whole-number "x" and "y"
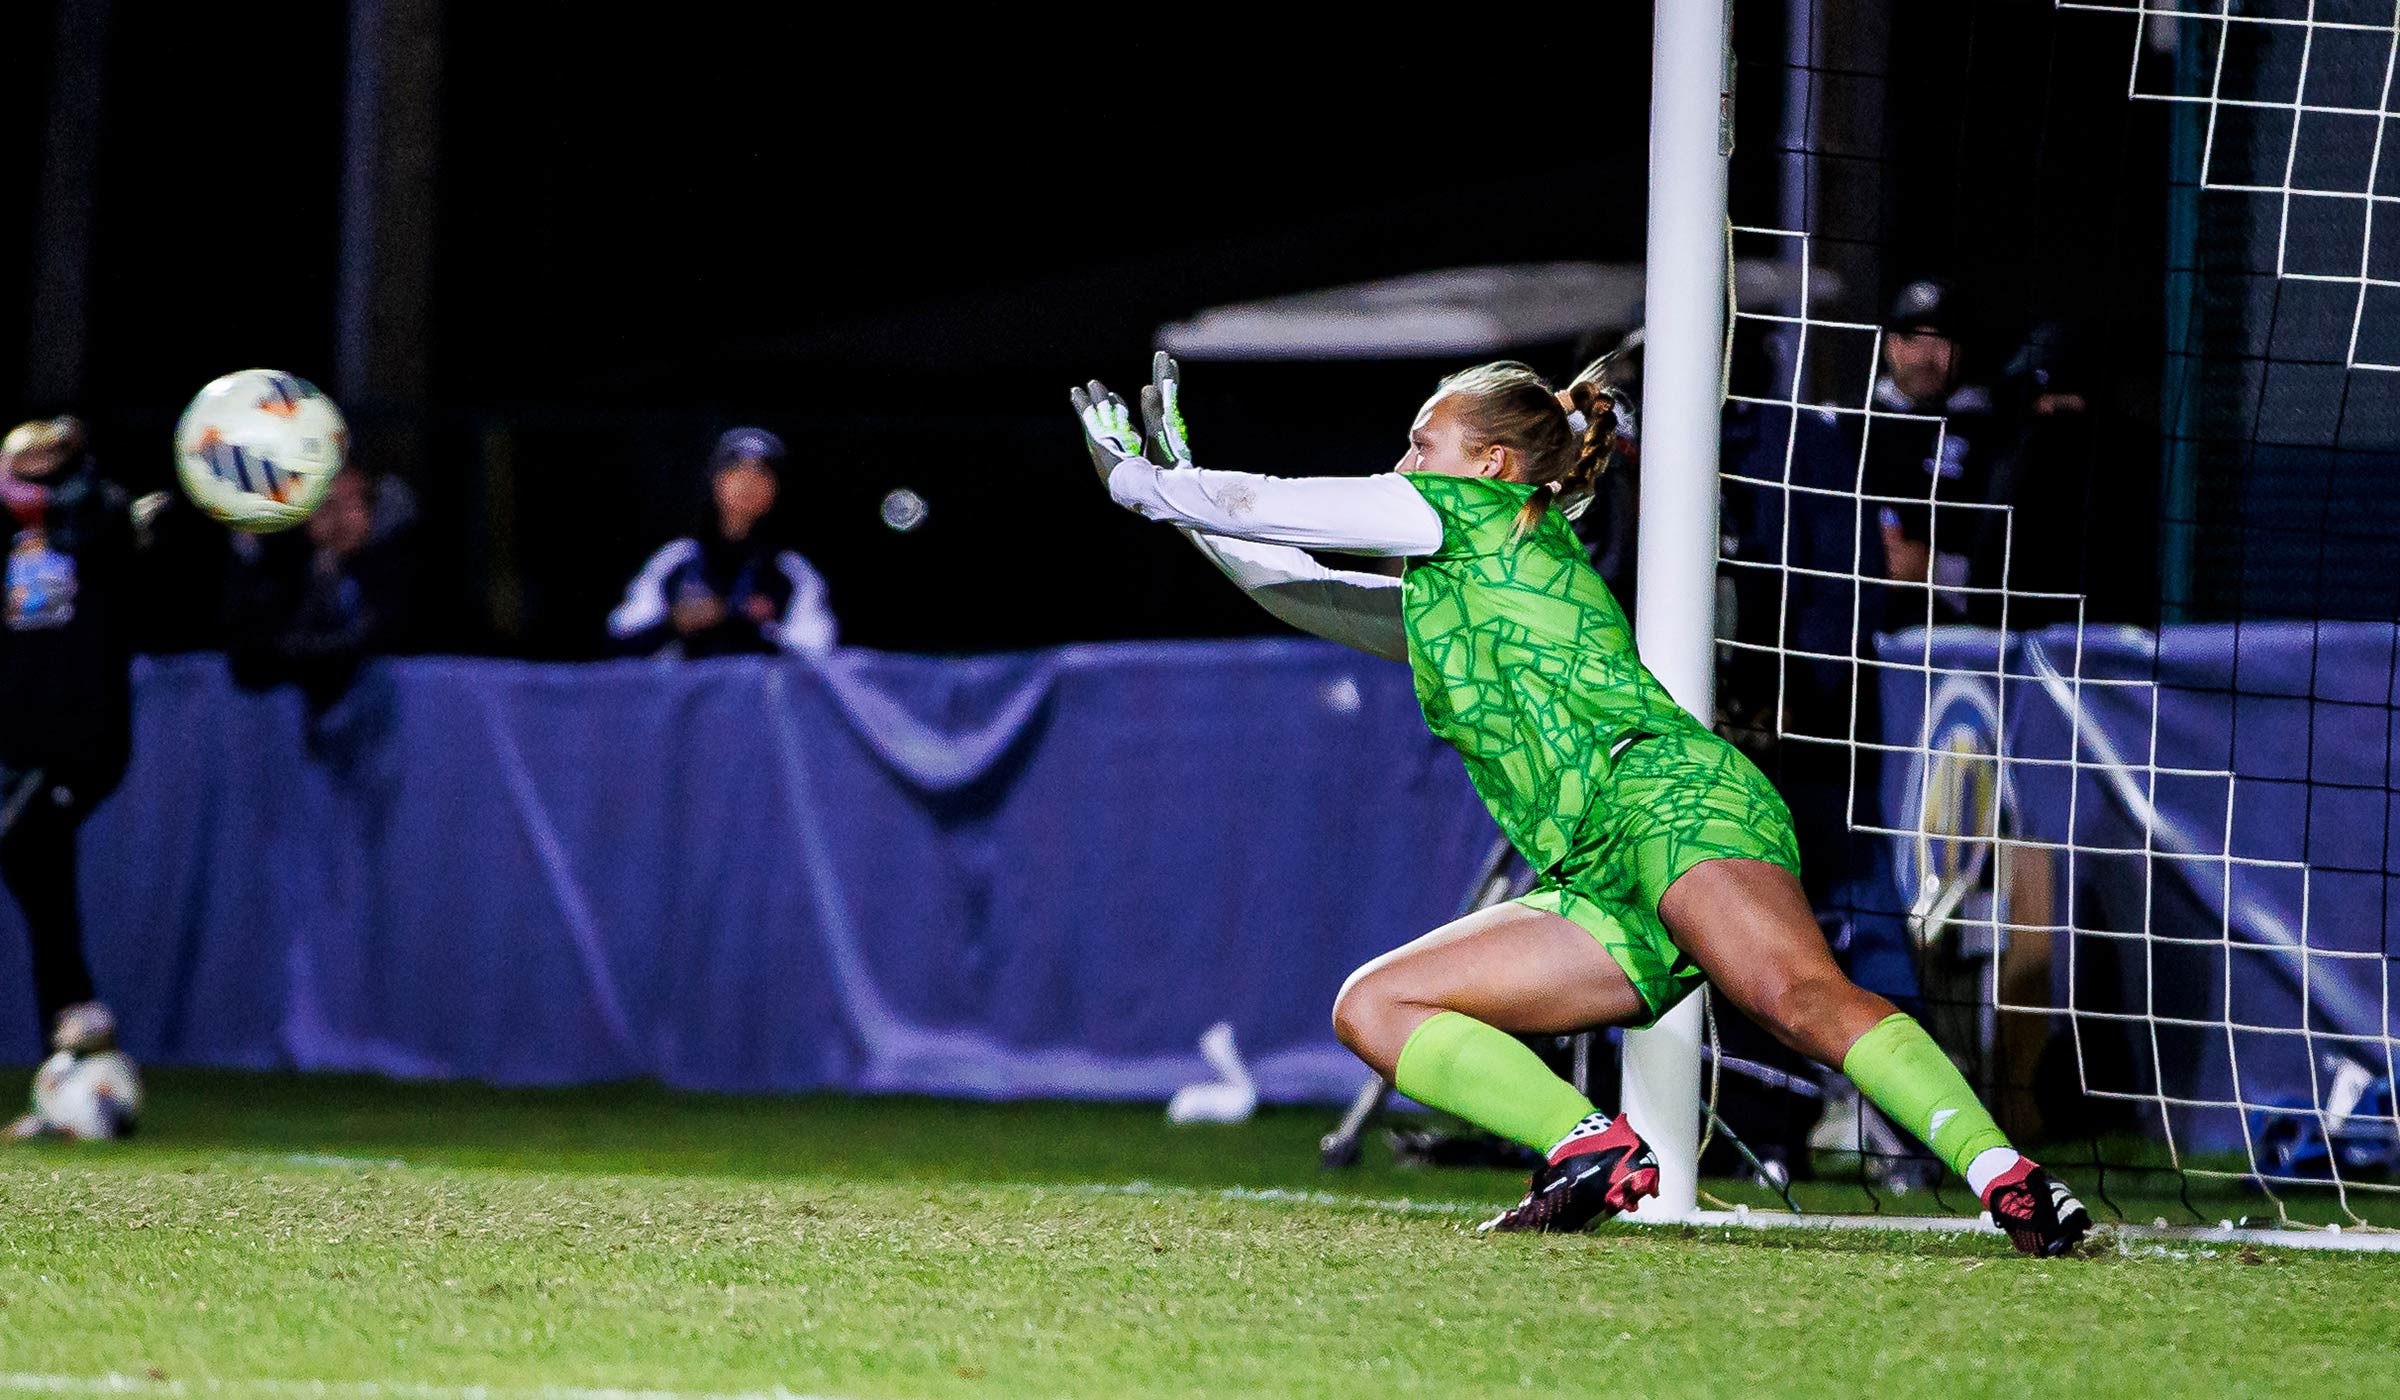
{"x": 1440, "y": 1018}
{"x": 1749, "y": 927}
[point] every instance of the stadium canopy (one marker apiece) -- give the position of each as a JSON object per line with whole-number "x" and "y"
{"x": 1452, "y": 311}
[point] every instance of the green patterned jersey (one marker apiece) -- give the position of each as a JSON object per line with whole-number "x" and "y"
{"x": 1524, "y": 662}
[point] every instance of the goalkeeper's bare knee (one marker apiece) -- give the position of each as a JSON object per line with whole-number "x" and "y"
{"x": 1816, "y": 1012}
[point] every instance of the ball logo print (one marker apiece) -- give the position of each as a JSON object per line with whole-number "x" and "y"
{"x": 284, "y": 395}
{"x": 258, "y": 449}
{"x": 229, "y": 463}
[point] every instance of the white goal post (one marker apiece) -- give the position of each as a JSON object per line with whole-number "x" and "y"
{"x": 1683, "y": 396}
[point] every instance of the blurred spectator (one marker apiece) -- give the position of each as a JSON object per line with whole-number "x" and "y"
{"x": 1813, "y": 712}
{"x": 308, "y": 606}
{"x": 2083, "y": 485}
{"x": 1929, "y": 462}
{"x": 66, "y": 700}
{"x": 730, "y": 588}
{"x": 180, "y": 575}
{"x": 1807, "y": 606}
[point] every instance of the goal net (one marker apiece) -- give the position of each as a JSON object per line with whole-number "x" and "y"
{"x": 2078, "y": 651}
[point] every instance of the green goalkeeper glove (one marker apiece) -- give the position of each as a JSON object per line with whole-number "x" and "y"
{"x": 1162, "y": 411}
{"x": 1108, "y": 431}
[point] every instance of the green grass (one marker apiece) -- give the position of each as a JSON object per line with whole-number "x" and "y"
{"x": 281, "y": 1229}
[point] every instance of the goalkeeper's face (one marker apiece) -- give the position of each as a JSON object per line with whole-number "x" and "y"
{"x": 1437, "y": 443}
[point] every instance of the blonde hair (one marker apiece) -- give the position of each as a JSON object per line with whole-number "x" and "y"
{"x": 42, "y": 435}
{"x": 1506, "y": 404}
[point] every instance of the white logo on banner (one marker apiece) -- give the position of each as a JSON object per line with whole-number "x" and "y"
{"x": 1960, "y": 797}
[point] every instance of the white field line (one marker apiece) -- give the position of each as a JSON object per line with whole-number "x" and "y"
{"x": 2371, "y": 1241}
{"x": 2367, "y": 1240}
{"x": 112, "y": 1383}
{"x": 1272, "y": 1195}
{"x": 2334, "y": 1237}
{"x": 1743, "y": 1218}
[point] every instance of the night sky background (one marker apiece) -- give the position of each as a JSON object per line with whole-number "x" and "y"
{"x": 897, "y": 241}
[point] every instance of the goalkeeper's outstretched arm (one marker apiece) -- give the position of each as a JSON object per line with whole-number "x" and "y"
{"x": 1358, "y": 610}
{"x": 1374, "y": 515}
{"x": 1256, "y": 529}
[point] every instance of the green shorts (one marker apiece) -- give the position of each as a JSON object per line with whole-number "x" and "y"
{"x": 1669, "y": 802}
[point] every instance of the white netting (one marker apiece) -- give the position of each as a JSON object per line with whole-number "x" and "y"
{"x": 2299, "y": 102}
{"x": 2186, "y": 971}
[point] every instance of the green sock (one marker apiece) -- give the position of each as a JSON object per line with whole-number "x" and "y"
{"x": 1898, "y": 1066}
{"x": 1460, "y": 1065}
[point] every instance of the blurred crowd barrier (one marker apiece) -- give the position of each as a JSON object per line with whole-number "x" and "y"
{"x": 1034, "y": 874}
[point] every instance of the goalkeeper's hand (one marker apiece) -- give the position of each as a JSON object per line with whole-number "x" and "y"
{"x": 1162, "y": 412}
{"x": 1108, "y": 431}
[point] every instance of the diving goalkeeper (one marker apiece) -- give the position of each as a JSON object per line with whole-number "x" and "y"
{"x": 1667, "y": 858}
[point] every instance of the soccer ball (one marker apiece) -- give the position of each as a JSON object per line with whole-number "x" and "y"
{"x": 257, "y": 450}
{"x": 88, "y": 1096}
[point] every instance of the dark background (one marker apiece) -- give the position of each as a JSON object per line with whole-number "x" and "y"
{"x": 899, "y": 242}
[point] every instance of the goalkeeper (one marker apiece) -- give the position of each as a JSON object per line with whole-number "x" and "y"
{"x": 1667, "y": 857}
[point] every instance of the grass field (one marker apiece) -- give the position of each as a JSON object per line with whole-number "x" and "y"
{"x": 343, "y": 1237}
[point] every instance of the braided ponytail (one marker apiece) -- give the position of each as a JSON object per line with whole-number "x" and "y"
{"x": 1564, "y": 439}
{"x": 1595, "y": 445}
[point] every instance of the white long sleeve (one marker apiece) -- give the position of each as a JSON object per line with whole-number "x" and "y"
{"x": 646, "y": 601}
{"x": 808, "y": 624}
{"x": 1381, "y": 515}
{"x": 1358, "y": 610}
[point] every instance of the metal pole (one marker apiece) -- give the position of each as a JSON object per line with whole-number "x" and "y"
{"x": 58, "y": 354}
{"x": 1796, "y": 177}
{"x": 362, "y": 150}
{"x": 391, "y": 145}
{"x": 1691, "y": 139}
